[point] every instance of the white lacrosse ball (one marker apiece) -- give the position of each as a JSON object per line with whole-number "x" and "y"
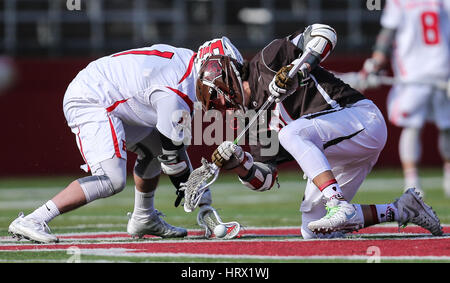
{"x": 220, "y": 231}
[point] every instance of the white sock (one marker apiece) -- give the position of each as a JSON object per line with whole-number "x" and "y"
{"x": 447, "y": 179}
{"x": 45, "y": 213}
{"x": 143, "y": 204}
{"x": 412, "y": 179}
{"x": 331, "y": 190}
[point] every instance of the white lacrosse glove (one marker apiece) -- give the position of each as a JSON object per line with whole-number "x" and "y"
{"x": 228, "y": 155}
{"x": 368, "y": 76}
{"x": 281, "y": 85}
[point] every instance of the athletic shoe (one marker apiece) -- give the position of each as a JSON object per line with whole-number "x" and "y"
{"x": 208, "y": 218}
{"x": 32, "y": 230}
{"x": 412, "y": 209}
{"x": 154, "y": 225}
{"x": 341, "y": 216}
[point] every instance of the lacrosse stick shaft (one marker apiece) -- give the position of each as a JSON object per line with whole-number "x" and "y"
{"x": 391, "y": 81}
{"x": 264, "y": 107}
{"x": 297, "y": 66}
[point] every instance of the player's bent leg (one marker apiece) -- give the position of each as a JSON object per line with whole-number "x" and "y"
{"x": 145, "y": 219}
{"x": 410, "y": 151}
{"x": 108, "y": 178}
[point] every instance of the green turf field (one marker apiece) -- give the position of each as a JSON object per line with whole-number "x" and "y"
{"x": 277, "y": 207}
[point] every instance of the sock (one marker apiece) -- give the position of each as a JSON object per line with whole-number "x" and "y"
{"x": 331, "y": 190}
{"x": 377, "y": 213}
{"x": 143, "y": 204}
{"x": 446, "y": 182}
{"x": 412, "y": 179}
{"x": 45, "y": 213}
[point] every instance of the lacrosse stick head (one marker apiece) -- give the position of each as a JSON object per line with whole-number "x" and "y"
{"x": 197, "y": 183}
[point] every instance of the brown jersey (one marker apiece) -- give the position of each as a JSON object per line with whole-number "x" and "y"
{"x": 319, "y": 94}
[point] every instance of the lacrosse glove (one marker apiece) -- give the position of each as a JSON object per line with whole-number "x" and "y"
{"x": 282, "y": 86}
{"x": 228, "y": 155}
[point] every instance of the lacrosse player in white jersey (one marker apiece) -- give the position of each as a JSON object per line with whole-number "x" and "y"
{"x": 139, "y": 100}
{"x": 416, "y": 35}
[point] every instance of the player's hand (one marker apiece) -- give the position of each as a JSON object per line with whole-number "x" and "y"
{"x": 281, "y": 85}
{"x": 368, "y": 76}
{"x": 228, "y": 155}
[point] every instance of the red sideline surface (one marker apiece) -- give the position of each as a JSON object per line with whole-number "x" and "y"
{"x": 398, "y": 247}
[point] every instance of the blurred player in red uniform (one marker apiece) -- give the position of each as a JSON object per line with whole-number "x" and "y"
{"x": 136, "y": 100}
{"x": 416, "y": 35}
{"x": 333, "y": 132}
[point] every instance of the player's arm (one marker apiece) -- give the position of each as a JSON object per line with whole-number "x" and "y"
{"x": 173, "y": 126}
{"x": 175, "y": 163}
{"x": 382, "y": 52}
{"x": 316, "y": 43}
{"x": 255, "y": 175}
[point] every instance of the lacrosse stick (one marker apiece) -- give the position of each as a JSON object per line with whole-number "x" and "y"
{"x": 202, "y": 177}
{"x": 355, "y": 80}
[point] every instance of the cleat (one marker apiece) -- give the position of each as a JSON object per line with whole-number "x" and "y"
{"x": 412, "y": 209}
{"x": 208, "y": 218}
{"x": 154, "y": 225}
{"x": 32, "y": 230}
{"x": 341, "y": 216}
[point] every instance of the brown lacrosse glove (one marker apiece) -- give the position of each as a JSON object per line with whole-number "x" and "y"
{"x": 281, "y": 85}
{"x": 282, "y": 78}
{"x": 227, "y": 155}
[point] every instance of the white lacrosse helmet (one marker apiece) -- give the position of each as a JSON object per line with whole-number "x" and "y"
{"x": 218, "y": 46}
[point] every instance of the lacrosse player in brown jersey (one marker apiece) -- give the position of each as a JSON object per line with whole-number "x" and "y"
{"x": 333, "y": 132}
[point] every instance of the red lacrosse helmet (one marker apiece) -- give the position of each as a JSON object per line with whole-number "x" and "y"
{"x": 219, "y": 84}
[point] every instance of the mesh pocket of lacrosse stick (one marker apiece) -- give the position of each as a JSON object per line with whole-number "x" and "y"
{"x": 197, "y": 183}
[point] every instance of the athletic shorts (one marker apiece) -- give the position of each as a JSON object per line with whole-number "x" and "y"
{"x": 352, "y": 147}
{"x": 413, "y": 105}
{"x": 101, "y": 135}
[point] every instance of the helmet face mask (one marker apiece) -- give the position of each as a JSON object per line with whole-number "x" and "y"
{"x": 219, "y": 85}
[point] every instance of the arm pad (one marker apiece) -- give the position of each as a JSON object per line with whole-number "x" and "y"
{"x": 316, "y": 42}
{"x": 261, "y": 177}
{"x": 175, "y": 163}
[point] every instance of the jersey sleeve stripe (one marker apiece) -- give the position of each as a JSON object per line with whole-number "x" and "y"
{"x": 189, "y": 69}
{"x": 164, "y": 54}
{"x": 115, "y": 104}
{"x": 184, "y": 97}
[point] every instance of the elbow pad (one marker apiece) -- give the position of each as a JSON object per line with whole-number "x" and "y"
{"x": 261, "y": 177}
{"x": 319, "y": 40}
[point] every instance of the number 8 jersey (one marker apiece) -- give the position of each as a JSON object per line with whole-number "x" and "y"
{"x": 422, "y": 40}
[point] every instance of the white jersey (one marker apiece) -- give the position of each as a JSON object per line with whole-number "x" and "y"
{"x": 422, "y": 40}
{"x": 129, "y": 83}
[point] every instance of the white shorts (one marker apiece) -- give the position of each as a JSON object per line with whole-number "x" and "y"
{"x": 351, "y": 156}
{"x": 101, "y": 135}
{"x": 413, "y": 105}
